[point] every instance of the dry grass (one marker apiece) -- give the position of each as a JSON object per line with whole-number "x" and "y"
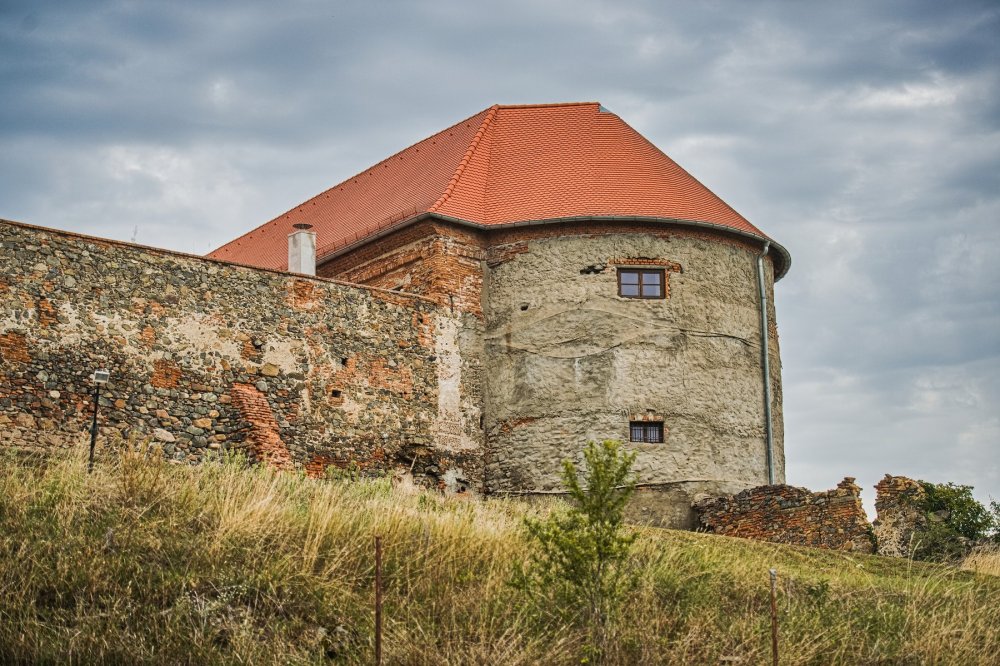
{"x": 146, "y": 562}
{"x": 984, "y": 560}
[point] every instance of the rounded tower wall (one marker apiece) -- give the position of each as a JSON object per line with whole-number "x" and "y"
{"x": 567, "y": 360}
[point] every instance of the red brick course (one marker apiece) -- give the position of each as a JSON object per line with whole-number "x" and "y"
{"x": 165, "y": 374}
{"x": 435, "y": 259}
{"x": 14, "y": 348}
{"x": 263, "y": 436}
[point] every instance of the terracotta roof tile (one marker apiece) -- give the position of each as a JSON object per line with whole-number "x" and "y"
{"x": 505, "y": 164}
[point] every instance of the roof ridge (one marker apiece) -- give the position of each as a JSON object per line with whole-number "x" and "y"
{"x": 488, "y": 184}
{"x": 400, "y": 152}
{"x": 544, "y": 105}
{"x": 465, "y": 159}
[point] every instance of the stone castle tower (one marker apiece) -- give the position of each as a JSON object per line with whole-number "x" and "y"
{"x": 599, "y": 291}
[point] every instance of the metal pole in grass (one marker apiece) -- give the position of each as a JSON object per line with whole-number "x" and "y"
{"x": 378, "y": 601}
{"x": 100, "y": 377}
{"x": 774, "y": 616}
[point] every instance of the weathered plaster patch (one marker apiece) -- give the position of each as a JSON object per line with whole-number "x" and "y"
{"x": 282, "y": 352}
{"x": 195, "y": 332}
{"x": 448, "y": 427}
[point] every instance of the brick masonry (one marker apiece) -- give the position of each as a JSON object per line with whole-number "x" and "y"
{"x": 263, "y": 435}
{"x": 207, "y": 356}
{"x": 832, "y": 519}
{"x": 439, "y": 260}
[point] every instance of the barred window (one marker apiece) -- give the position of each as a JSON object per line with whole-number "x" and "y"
{"x": 640, "y": 283}
{"x": 646, "y": 431}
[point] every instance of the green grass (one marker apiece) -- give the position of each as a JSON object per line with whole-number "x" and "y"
{"x": 148, "y": 562}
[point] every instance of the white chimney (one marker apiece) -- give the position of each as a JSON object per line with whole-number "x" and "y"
{"x": 302, "y": 250}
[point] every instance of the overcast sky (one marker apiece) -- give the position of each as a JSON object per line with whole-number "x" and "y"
{"x": 863, "y": 136}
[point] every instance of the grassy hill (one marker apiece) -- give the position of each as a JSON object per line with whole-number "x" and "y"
{"x": 147, "y": 562}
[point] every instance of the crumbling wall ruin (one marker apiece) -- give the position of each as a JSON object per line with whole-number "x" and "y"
{"x": 832, "y": 519}
{"x": 899, "y": 518}
{"x": 207, "y": 357}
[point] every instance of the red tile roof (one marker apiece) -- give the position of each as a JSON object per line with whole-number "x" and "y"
{"x": 503, "y": 165}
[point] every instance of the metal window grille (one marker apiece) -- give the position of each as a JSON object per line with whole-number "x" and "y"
{"x": 650, "y": 432}
{"x": 638, "y": 432}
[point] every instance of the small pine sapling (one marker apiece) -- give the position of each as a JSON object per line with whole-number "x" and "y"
{"x": 579, "y": 569}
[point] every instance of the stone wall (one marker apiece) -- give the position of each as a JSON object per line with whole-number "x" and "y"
{"x": 899, "y": 519}
{"x": 208, "y": 356}
{"x": 833, "y": 519}
{"x": 478, "y": 357}
{"x": 442, "y": 262}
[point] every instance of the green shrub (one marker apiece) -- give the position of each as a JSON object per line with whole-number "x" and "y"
{"x": 995, "y": 511}
{"x": 580, "y": 565}
{"x": 955, "y": 521}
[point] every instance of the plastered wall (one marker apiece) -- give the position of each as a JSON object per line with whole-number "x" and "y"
{"x": 209, "y": 357}
{"x": 567, "y": 360}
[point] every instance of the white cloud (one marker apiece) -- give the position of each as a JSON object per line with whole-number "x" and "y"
{"x": 907, "y": 95}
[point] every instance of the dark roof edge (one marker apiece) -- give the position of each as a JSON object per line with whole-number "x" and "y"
{"x": 781, "y": 266}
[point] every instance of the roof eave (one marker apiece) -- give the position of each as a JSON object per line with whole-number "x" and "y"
{"x": 781, "y": 266}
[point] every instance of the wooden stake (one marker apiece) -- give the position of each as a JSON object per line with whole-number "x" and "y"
{"x": 378, "y": 601}
{"x": 774, "y": 616}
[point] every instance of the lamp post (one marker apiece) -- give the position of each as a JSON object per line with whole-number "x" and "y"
{"x": 100, "y": 377}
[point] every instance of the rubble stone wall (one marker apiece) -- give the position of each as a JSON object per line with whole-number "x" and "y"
{"x": 442, "y": 262}
{"x": 899, "y": 518}
{"x": 208, "y": 356}
{"x": 832, "y": 519}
